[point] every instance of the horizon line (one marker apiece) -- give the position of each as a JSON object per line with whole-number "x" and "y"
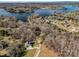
{"x": 34, "y": 1}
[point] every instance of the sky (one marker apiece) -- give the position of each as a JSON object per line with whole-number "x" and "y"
{"x": 34, "y": 0}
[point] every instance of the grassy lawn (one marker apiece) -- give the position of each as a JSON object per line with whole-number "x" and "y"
{"x": 30, "y": 53}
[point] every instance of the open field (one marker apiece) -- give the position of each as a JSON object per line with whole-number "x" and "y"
{"x": 46, "y": 52}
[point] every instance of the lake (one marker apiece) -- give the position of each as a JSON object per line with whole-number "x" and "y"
{"x": 42, "y": 12}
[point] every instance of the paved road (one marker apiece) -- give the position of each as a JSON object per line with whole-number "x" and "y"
{"x": 38, "y": 51}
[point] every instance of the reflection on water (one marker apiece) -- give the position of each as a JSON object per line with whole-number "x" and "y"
{"x": 19, "y": 16}
{"x": 4, "y": 13}
{"x": 70, "y": 8}
{"x": 45, "y": 12}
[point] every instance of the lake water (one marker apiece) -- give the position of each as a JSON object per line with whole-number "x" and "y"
{"x": 70, "y": 8}
{"x": 42, "y": 12}
{"x": 65, "y": 8}
{"x": 19, "y": 16}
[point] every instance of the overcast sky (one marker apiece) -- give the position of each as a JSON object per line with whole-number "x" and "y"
{"x": 34, "y": 0}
